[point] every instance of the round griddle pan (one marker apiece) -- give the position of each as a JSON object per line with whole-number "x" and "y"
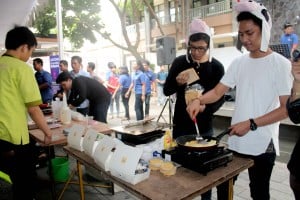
{"x": 181, "y": 140}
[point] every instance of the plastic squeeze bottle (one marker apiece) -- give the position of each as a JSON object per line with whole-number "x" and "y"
{"x": 167, "y": 139}
{"x": 65, "y": 112}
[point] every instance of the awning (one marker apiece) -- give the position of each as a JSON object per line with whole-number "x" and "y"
{"x": 15, "y": 12}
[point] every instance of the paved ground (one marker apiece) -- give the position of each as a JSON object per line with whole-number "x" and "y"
{"x": 280, "y": 189}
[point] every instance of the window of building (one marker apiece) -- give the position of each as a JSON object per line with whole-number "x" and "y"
{"x": 197, "y": 3}
{"x": 159, "y": 11}
{"x": 172, "y": 11}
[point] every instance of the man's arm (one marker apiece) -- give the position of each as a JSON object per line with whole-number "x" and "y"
{"x": 129, "y": 90}
{"x": 295, "y": 43}
{"x": 296, "y": 84}
{"x": 143, "y": 91}
{"x": 276, "y": 115}
{"x": 210, "y": 97}
{"x": 48, "y": 81}
{"x": 293, "y": 104}
{"x": 38, "y": 117}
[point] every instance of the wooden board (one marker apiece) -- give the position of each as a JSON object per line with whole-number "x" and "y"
{"x": 57, "y": 133}
{"x": 57, "y": 136}
{"x": 185, "y": 184}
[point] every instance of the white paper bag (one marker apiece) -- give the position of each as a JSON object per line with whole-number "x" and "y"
{"x": 104, "y": 152}
{"x": 89, "y": 141}
{"x": 75, "y": 137}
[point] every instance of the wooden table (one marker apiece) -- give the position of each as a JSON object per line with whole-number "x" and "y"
{"x": 58, "y": 138}
{"x": 57, "y": 133}
{"x": 185, "y": 184}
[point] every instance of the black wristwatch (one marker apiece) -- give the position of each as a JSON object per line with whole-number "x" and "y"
{"x": 253, "y": 125}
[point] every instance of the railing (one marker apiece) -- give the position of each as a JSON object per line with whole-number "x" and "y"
{"x": 166, "y": 19}
{"x": 132, "y": 28}
{"x": 211, "y": 10}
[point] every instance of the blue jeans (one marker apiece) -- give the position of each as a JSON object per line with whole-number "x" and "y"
{"x": 117, "y": 101}
{"x": 125, "y": 101}
{"x": 161, "y": 98}
{"x": 147, "y": 104}
{"x": 138, "y": 107}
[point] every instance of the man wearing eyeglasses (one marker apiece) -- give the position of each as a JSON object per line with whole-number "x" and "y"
{"x": 209, "y": 72}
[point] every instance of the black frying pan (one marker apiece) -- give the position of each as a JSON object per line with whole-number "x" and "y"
{"x": 181, "y": 140}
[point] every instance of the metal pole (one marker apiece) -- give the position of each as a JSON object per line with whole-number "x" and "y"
{"x": 59, "y": 28}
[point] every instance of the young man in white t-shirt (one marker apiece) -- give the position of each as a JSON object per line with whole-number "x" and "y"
{"x": 263, "y": 82}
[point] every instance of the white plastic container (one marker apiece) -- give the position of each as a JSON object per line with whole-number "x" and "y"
{"x": 56, "y": 107}
{"x": 65, "y": 112}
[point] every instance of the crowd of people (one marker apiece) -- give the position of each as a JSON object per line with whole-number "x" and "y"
{"x": 267, "y": 91}
{"x": 22, "y": 93}
{"x": 118, "y": 82}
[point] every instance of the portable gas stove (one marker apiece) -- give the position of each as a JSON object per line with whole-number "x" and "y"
{"x": 140, "y": 132}
{"x": 200, "y": 161}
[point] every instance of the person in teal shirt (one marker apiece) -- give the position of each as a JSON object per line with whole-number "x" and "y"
{"x": 161, "y": 79}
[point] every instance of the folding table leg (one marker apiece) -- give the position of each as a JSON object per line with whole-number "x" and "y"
{"x": 79, "y": 170}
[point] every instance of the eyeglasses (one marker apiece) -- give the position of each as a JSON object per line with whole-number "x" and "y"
{"x": 199, "y": 49}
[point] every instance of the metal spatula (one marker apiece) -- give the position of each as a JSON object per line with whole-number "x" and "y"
{"x": 199, "y": 138}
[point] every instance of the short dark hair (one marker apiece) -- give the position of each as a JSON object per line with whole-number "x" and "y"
{"x": 140, "y": 65}
{"x": 38, "y": 60}
{"x": 111, "y": 65}
{"x": 146, "y": 62}
{"x": 18, "y": 36}
{"x": 91, "y": 65}
{"x": 199, "y": 36}
{"x": 78, "y": 58}
{"x": 124, "y": 70}
{"x": 286, "y": 25}
{"x": 64, "y": 76}
{"x": 64, "y": 62}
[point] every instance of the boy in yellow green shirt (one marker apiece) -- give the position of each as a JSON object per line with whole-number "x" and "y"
{"x": 19, "y": 96}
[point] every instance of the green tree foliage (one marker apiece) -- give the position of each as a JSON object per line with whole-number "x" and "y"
{"x": 45, "y": 20}
{"x": 80, "y": 20}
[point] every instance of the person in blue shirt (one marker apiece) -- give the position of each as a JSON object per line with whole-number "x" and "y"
{"x": 124, "y": 84}
{"x": 139, "y": 85}
{"x": 161, "y": 79}
{"x": 76, "y": 62}
{"x": 289, "y": 37}
{"x": 150, "y": 85}
{"x": 44, "y": 81}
